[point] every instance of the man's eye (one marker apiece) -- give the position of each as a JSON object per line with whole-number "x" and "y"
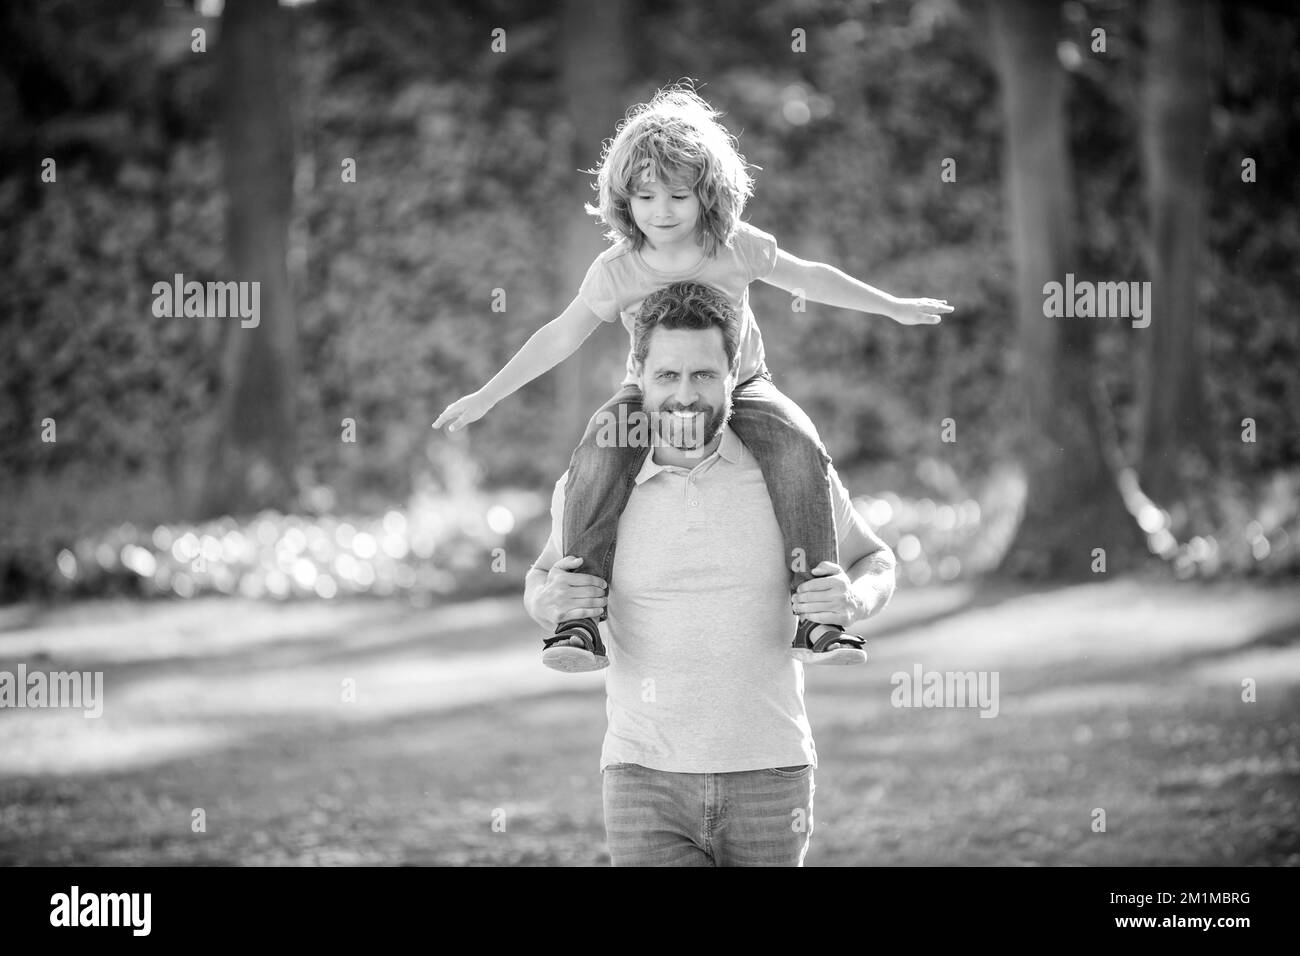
{"x": 704, "y": 375}
{"x": 681, "y": 198}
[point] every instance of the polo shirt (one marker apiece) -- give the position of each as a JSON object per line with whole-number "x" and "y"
{"x": 700, "y": 676}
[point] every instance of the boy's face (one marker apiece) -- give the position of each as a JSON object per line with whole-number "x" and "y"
{"x": 664, "y": 212}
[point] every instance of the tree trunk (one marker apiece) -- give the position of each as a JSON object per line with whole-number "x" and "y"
{"x": 1073, "y": 506}
{"x": 251, "y": 457}
{"x": 592, "y": 78}
{"x": 1173, "y": 440}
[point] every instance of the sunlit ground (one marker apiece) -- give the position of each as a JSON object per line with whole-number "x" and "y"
{"x": 1124, "y": 696}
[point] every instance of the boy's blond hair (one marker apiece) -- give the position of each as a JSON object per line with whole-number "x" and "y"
{"x": 675, "y": 138}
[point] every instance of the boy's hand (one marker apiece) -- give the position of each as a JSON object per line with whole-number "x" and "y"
{"x": 828, "y": 598}
{"x": 570, "y": 595}
{"x": 918, "y": 311}
{"x": 464, "y": 411}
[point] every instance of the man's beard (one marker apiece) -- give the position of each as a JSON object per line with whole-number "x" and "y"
{"x": 694, "y": 434}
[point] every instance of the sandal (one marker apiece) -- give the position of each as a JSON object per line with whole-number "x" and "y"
{"x": 834, "y": 645}
{"x": 561, "y": 655}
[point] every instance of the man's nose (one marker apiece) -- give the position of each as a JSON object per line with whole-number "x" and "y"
{"x": 686, "y": 392}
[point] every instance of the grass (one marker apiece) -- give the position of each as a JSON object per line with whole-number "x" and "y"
{"x": 1124, "y": 696}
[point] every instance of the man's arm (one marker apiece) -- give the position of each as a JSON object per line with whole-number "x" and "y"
{"x": 826, "y": 284}
{"x": 866, "y": 582}
{"x": 535, "y": 580}
{"x": 553, "y": 592}
{"x": 867, "y": 560}
{"x": 533, "y": 584}
{"x": 873, "y": 581}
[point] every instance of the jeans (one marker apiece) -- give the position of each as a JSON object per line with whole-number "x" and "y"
{"x": 774, "y": 429}
{"x": 750, "y": 818}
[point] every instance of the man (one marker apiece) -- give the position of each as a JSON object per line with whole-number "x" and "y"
{"x": 708, "y": 756}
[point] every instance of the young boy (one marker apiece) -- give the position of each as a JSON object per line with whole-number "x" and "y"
{"x": 672, "y": 188}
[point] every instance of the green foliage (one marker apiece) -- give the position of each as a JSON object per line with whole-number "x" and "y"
{"x": 463, "y": 173}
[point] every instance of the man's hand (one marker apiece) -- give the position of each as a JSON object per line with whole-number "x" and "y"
{"x": 828, "y": 598}
{"x": 569, "y": 595}
{"x": 918, "y": 311}
{"x": 463, "y": 411}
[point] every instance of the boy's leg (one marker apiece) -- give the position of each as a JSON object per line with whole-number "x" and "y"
{"x": 795, "y": 467}
{"x": 601, "y": 473}
{"x": 784, "y": 440}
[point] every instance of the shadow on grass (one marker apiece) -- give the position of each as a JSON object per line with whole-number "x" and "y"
{"x": 460, "y": 728}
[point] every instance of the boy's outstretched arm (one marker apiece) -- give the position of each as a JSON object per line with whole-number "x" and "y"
{"x": 546, "y": 348}
{"x": 826, "y": 284}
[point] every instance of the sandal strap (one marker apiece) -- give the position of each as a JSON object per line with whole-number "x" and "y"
{"x": 832, "y": 634}
{"x": 843, "y": 637}
{"x": 584, "y": 629}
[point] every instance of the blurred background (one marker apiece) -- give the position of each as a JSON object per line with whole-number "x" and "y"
{"x": 234, "y": 523}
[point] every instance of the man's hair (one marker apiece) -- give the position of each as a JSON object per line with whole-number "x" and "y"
{"x": 677, "y": 140}
{"x": 686, "y": 305}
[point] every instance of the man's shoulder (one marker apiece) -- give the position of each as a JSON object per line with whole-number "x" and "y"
{"x": 734, "y": 449}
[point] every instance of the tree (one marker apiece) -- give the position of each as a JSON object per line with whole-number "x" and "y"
{"x": 1175, "y": 131}
{"x": 1073, "y": 505}
{"x": 251, "y": 457}
{"x": 592, "y": 77}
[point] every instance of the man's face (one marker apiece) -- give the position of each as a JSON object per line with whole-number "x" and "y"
{"x": 686, "y": 386}
{"x": 665, "y": 214}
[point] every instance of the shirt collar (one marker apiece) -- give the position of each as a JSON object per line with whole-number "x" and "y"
{"x": 730, "y": 448}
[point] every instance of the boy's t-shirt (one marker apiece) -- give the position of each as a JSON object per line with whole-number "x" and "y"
{"x": 620, "y": 279}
